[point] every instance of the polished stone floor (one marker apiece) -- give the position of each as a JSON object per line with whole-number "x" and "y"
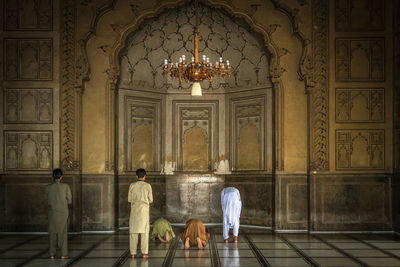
{"x": 255, "y": 248}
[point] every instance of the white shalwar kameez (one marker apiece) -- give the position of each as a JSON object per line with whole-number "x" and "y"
{"x": 231, "y": 208}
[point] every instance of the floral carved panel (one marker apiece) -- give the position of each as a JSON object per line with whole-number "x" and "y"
{"x": 360, "y": 149}
{"x": 359, "y": 15}
{"x": 360, "y": 105}
{"x": 28, "y": 105}
{"x": 28, "y": 59}
{"x": 28, "y": 151}
{"x": 360, "y": 59}
{"x": 28, "y": 15}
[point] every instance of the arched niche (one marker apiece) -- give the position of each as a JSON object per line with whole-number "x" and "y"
{"x": 101, "y": 47}
{"x": 243, "y": 98}
{"x": 287, "y": 51}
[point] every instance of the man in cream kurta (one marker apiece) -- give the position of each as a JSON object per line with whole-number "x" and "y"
{"x": 140, "y": 196}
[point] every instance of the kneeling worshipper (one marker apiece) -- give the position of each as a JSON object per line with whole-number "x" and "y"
{"x": 162, "y": 231}
{"x": 231, "y": 208}
{"x": 195, "y": 234}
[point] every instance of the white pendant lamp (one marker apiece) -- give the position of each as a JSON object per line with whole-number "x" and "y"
{"x": 196, "y": 89}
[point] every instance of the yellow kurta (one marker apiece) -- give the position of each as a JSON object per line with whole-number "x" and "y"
{"x": 140, "y": 196}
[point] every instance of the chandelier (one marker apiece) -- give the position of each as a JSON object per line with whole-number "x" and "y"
{"x": 196, "y": 71}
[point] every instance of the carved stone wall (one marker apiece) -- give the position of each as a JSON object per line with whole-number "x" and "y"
{"x": 308, "y": 97}
{"x": 195, "y": 133}
{"x": 396, "y": 113}
{"x": 360, "y": 128}
{"x": 351, "y": 202}
{"x": 28, "y": 59}
{"x": 143, "y": 128}
{"x": 248, "y": 134}
{"x": 30, "y": 111}
{"x": 28, "y": 150}
{"x": 360, "y": 105}
{"x": 360, "y": 59}
{"x": 35, "y": 15}
{"x": 353, "y": 15}
{"x": 360, "y": 149}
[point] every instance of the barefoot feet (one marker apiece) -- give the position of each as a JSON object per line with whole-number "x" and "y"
{"x": 145, "y": 256}
{"x": 64, "y": 257}
{"x": 226, "y": 240}
{"x": 51, "y": 257}
{"x": 235, "y": 239}
{"x": 199, "y": 243}
{"x": 187, "y": 244}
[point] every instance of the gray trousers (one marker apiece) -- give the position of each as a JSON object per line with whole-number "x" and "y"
{"x": 58, "y": 233}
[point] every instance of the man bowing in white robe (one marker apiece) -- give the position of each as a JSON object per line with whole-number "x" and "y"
{"x": 231, "y": 208}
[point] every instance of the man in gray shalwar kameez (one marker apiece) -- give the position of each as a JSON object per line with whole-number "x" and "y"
{"x": 58, "y": 196}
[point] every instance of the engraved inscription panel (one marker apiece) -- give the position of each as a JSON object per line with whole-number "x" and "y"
{"x": 360, "y": 59}
{"x": 25, "y": 150}
{"x": 28, "y": 59}
{"x": 359, "y": 15}
{"x": 360, "y": 105}
{"x": 360, "y": 149}
{"x": 28, "y": 105}
{"x": 28, "y": 15}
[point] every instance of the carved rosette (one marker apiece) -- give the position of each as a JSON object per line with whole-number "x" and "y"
{"x": 319, "y": 98}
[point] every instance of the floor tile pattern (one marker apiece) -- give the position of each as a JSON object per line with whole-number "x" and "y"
{"x": 255, "y": 248}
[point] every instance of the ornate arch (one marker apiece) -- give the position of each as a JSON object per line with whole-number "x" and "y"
{"x": 122, "y": 32}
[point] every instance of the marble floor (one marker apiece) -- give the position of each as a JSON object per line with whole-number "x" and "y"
{"x": 255, "y": 248}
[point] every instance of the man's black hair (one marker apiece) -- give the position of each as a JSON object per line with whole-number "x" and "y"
{"x": 57, "y": 173}
{"x": 140, "y": 173}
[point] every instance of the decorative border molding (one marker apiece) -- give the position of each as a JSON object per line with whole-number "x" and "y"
{"x": 319, "y": 95}
{"x": 70, "y": 97}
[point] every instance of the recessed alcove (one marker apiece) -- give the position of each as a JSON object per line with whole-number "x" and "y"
{"x": 221, "y": 138}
